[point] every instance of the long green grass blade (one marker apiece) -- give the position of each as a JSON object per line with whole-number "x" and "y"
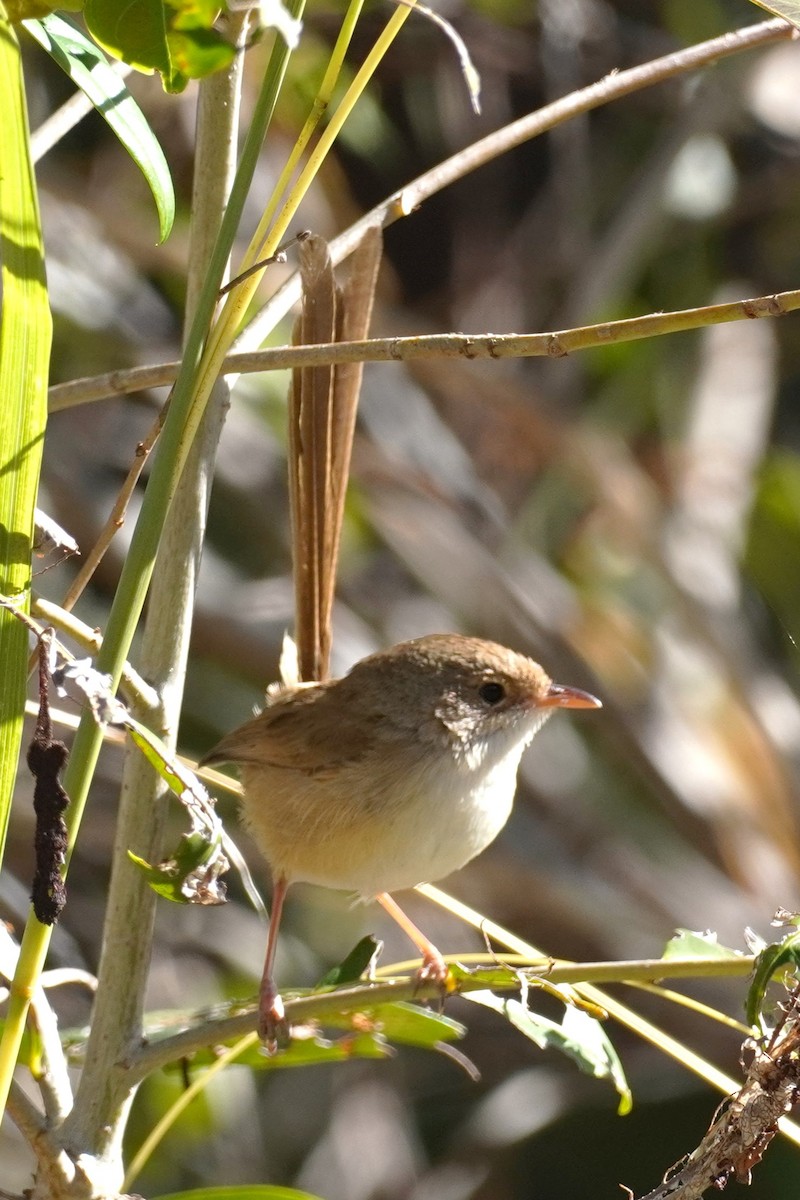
{"x": 25, "y": 334}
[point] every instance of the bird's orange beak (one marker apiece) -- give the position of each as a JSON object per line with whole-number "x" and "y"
{"x": 560, "y": 696}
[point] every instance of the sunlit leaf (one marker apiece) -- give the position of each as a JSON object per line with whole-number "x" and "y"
{"x": 25, "y": 338}
{"x": 578, "y": 1035}
{"x": 89, "y": 70}
{"x": 408, "y": 1024}
{"x": 788, "y": 9}
{"x": 176, "y": 878}
{"x": 688, "y": 944}
{"x": 177, "y": 40}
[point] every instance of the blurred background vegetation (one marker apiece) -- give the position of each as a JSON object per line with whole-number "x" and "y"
{"x": 629, "y": 516}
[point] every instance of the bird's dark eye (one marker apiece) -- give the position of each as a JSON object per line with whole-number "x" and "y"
{"x": 492, "y": 693}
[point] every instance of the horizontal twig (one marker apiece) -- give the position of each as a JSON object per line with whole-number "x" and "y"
{"x": 557, "y": 344}
{"x": 304, "y": 1009}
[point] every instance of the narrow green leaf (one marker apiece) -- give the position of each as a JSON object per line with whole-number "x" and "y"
{"x": 178, "y": 778}
{"x": 311, "y": 1051}
{"x": 353, "y": 967}
{"x": 777, "y": 956}
{"x": 578, "y": 1035}
{"x": 89, "y": 70}
{"x": 405, "y": 1023}
{"x": 25, "y": 335}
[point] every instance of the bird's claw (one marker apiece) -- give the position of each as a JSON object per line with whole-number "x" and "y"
{"x": 273, "y": 1028}
{"x": 434, "y": 970}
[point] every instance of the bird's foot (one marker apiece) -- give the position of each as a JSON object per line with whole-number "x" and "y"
{"x": 273, "y": 1028}
{"x": 434, "y": 970}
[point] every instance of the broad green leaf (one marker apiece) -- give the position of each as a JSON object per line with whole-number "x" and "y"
{"x": 25, "y": 335}
{"x": 196, "y": 52}
{"x": 580, "y": 1036}
{"x": 688, "y": 944}
{"x": 176, "y": 39}
{"x": 89, "y": 70}
{"x": 134, "y": 31}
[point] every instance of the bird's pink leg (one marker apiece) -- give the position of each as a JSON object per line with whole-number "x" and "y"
{"x": 434, "y": 968}
{"x": 271, "y": 1016}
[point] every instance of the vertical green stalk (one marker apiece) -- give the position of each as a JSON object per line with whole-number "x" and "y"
{"x": 185, "y": 414}
{"x": 97, "y": 1121}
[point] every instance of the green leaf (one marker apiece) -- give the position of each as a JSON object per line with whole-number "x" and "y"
{"x": 405, "y": 1023}
{"x": 788, "y": 9}
{"x": 578, "y": 1035}
{"x": 174, "y": 879}
{"x": 773, "y": 540}
{"x": 196, "y": 52}
{"x": 89, "y": 70}
{"x": 240, "y": 1192}
{"x": 25, "y": 10}
{"x": 310, "y": 1051}
{"x": 784, "y": 955}
{"x": 25, "y": 336}
{"x": 177, "y": 777}
{"x": 353, "y": 967}
{"x": 688, "y": 944}
{"x": 176, "y": 39}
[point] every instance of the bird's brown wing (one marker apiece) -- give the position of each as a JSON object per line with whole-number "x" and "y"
{"x": 304, "y": 730}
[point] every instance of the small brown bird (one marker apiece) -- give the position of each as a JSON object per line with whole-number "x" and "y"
{"x": 395, "y": 775}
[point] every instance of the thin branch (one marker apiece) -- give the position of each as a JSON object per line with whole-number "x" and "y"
{"x": 627, "y": 1017}
{"x": 613, "y": 87}
{"x": 557, "y": 344}
{"x": 116, "y": 518}
{"x": 410, "y": 197}
{"x": 26, "y": 1116}
{"x": 304, "y": 1009}
{"x": 91, "y": 640}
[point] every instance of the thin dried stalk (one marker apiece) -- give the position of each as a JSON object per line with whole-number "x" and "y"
{"x": 322, "y": 415}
